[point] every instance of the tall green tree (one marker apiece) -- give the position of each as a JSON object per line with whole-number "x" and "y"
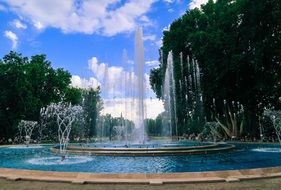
{"x": 237, "y": 44}
{"x": 26, "y": 85}
{"x": 92, "y": 106}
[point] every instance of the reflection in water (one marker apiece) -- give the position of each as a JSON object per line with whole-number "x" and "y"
{"x": 267, "y": 149}
{"x": 56, "y": 160}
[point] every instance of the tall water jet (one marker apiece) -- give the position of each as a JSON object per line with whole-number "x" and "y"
{"x": 140, "y": 90}
{"x": 131, "y": 87}
{"x": 28, "y": 127}
{"x": 170, "y": 116}
{"x": 105, "y": 82}
{"x": 125, "y": 86}
{"x": 106, "y": 91}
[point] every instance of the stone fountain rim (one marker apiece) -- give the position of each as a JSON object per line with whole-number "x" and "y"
{"x": 163, "y": 151}
{"x": 147, "y": 178}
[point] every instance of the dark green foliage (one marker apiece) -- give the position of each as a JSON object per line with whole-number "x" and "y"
{"x": 26, "y": 85}
{"x": 92, "y": 106}
{"x": 155, "y": 79}
{"x": 154, "y": 126}
{"x": 238, "y": 45}
{"x": 73, "y": 95}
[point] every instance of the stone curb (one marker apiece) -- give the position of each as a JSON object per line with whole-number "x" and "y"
{"x": 152, "y": 179}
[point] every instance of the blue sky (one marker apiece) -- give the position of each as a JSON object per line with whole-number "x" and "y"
{"x": 83, "y": 35}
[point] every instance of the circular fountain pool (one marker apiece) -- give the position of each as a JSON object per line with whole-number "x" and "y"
{"x": 244, "y": 156}
{"x": 148, "y": 149}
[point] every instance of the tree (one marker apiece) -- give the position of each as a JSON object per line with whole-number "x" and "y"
{"x": 26, "y": 85}
{"x": 73, "y": 95}
{"x": 92, "y": 106}
{"x": 237, "y": 45}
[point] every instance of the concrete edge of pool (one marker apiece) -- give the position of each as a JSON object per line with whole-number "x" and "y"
{"x": 134, "y": 178}
{"x": 153, "y": 178}
{"x": 207, "y": 149}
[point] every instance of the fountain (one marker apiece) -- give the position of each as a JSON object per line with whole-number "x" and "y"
{"x": 132, "y": 86}
{"x": 138, "y": 146}
{"x": 136, "y": 89}
{"x": 230, "y": 118}
{"x": 120, "y": 131}
{"x": 169, "y": 99}
{"x": 125, "y": 86}
{"x": 189, "y": 89}
{"x": 213, "y": 128}
{"x": 28, "y": 127}
{"x": 275, "y": 117}
{"x": 140, "y": 89}
{"x": 143, "y": 156}
{"x": 65, "y": 115}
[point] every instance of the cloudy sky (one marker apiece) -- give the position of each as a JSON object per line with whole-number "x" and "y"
{"x": 87, "y": 36}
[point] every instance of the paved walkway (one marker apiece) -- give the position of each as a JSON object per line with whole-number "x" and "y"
{"x": 259, "y": 184}
{"x": 154, "y": 179}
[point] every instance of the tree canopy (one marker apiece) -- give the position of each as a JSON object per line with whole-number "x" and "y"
{"x": 237, "y": 44}
{"x": 26, "y": 85}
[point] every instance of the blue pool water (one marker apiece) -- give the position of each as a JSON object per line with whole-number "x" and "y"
{"x": 245, "y": 156}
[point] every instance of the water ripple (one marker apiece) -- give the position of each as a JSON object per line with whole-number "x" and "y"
{"x": 56, "y": 160}
{"x": 278, "y": 150}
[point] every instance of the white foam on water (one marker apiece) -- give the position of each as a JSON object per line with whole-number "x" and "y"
{"x": 277, "y": 150}
{"x": 56, "y": 160}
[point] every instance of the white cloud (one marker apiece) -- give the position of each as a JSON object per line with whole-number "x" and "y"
{"x": 172, "y": 1}
{"x": 159, "y": 43}
{"x": 153, "y": 63}
{"x": 93, "y": 64}
{"x": 13, "y": 37}
{"x": 170, "y": 10}
{"x": 169, "y": 1}
{"x": 117, "y": 82}
{"x": 167, "y": 28}
{"x": 111, "y": 78}
{"x": 82, "y": 83}
{"x": 38, "y": 25}
{"x": 196, "y": 3}
{"x": 106, "y": 17}
{"x": 18, "y": 24}
{"x": 149, "y": 37}
{"x": 118, "y": 89}
{"x": 154, "y": 107}
{"x": 125, "y": 17}
{"x": 153, "y": 39}
{"x": 144, "y": 19}
{"x": 125, "y": 106}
